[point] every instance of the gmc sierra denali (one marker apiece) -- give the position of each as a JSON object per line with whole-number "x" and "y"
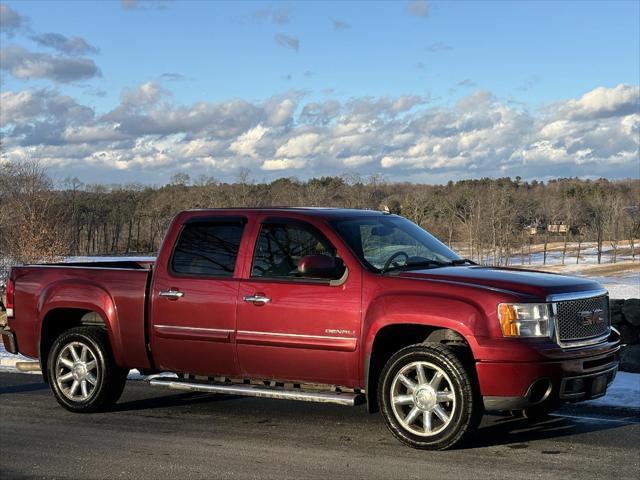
{"x": 329, "y": 305}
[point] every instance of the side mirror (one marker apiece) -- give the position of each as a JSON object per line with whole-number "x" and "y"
{"x": 320, "y": 266}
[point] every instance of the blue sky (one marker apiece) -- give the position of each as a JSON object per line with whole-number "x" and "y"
{"x": 432, "y": 82}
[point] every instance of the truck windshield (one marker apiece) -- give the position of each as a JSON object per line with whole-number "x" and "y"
{"x": 385, "y": 243}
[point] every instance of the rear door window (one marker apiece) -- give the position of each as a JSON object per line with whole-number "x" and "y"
{"x": 208, "y": 248}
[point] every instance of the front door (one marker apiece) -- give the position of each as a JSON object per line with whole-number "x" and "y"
{"x": 194, "y": 299}
{"x": 292, "y": 327}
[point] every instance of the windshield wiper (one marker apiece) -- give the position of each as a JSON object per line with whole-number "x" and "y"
{"x": 461, "y": 261}
{"x": 429, "y": 263}
{"x": 423, "y": 263}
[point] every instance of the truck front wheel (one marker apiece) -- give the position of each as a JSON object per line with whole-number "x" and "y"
{"x": 81, "y": 371}
{"x": 428, "y": 398}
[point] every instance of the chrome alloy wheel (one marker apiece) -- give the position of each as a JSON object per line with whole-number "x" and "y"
{"x": 77, "y": 371}
{"x": 422, "y": 398}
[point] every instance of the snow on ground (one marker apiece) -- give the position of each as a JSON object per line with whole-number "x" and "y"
{"x": 623, "y": 392}
{"x": 621, "y": 279}
{"x": 621, "y": 287}
{"x": 8, "y": 360}
{"x": 588, "y": 255}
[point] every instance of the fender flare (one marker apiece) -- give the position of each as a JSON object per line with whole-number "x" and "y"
{"x": 85, "y": 295}
{"x": 458, "y": 315}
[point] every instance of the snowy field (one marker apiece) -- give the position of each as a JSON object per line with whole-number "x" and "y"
{"x": 622, "y": 279}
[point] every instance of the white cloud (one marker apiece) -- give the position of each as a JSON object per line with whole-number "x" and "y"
{"x": 245, "y": 145}
{"x": 299, "y": 146}
{"x": 25, "y": 65}
{"x": 279, "y": 111}
{"x": 92, "y": 134}
{"x": 19, "y": 107}
{"x": 10, "y": 20}
{"x": 71, "y": 46}
{"x": 279, "y": 15}
{"x": 147, "y": 93}
{"x": 405, "y": 137}
{"x": 287, "y": 41}
{"x": 419, "y": 8}
{"x": 144, "y": 4}
{"x": 283, "y": 164}
{"x": 438, "y": 47}
{"x": 340, "y": 24}
{"x": 602, "y": 102}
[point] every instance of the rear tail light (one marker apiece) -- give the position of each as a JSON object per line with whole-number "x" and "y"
{"x": 10, "y": 295}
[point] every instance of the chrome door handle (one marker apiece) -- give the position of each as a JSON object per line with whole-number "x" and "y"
{"x": 171, "y": 294}
{"x": 259, "y": 299}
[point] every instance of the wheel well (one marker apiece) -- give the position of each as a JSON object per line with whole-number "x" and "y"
{"x": 59, "y": 320}
{"x": 392, "y": 338}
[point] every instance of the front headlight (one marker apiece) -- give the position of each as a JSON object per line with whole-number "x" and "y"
{"x": 525, "y": 319}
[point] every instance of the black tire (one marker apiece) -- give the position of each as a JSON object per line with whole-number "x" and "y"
{"x": 103, "y": 383}
{"x": 465, "y": 409}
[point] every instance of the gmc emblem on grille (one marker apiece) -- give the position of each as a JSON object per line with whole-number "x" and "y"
{"x": 591, "y": 317}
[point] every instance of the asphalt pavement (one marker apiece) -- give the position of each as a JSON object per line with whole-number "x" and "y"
{"x": 155, "y": 433}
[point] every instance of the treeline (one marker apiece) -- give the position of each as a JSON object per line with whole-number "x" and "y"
{"x": 491, "y": 220}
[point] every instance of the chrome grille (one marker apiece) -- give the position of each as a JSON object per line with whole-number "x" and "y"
{"x": 573, "y": 319}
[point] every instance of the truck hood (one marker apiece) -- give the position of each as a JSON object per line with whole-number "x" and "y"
{"x": 512, "y": 280}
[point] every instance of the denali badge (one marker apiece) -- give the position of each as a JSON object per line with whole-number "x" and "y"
{"x": 591, "y": 317}
{"x": 339, "y": 331}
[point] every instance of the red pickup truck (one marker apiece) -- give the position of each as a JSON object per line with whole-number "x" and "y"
{"x": 327, "y": 305}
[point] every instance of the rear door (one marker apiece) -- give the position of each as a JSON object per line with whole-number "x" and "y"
{"x": 194, "y": 296}
{"x": 291, "y": 327}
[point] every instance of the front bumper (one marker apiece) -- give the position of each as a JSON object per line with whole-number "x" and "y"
{"x": 516, "y": 385}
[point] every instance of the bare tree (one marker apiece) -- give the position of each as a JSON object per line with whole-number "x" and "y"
{"x": 32, "y": 225}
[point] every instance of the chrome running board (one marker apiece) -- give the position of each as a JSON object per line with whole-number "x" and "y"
{"x": 339, "y": 398}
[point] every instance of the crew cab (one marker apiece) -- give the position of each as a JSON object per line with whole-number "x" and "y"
{"x": 317, "y": 304}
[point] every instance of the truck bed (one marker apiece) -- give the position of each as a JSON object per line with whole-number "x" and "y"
{"x": 129, "y": 263}
{"x": 118, "y": 287}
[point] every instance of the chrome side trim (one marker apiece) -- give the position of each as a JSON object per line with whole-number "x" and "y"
{"x": 583, "y": 343}
{"x": 339, "y": 398}
{"x": 295, "y": 335}
{"x": 193, "y": 333}
{"x": 195, "y": 329}
{"x": 563, "y": 297}
{"x": 91, "y": 267}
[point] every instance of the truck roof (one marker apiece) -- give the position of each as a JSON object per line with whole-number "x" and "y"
{"x": 324, "y": 212}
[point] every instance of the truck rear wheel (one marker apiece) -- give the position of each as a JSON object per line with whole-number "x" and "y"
{"x": 81, "y": 371}
{"x": 428, "y": 398}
